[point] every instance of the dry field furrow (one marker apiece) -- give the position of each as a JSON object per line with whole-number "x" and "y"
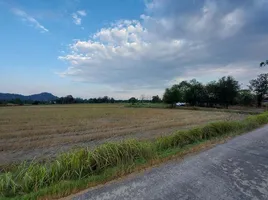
{"x": 40, "y": 131}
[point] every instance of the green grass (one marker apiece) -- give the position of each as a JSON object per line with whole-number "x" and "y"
{"x": 163, "y": 105}
{"x": 254, "y": 111}
{"x": 81, "y": 168}
{"x": 147, "y": 105}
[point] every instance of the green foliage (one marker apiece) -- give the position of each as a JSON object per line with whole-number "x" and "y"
{"x": 84, "y": 164}
{"x": 195, "y": 94}
{"x": 223, "y": 92}
{"x": 75, "y": 165}
{"x": 245, "y": 98}
{"x": 147, "y": 105}
{"x": 256, "y": 121}
{"x": 184, "y": 87}
{"x": 133, "y": 100}
{"x": 172, "y": 95}
{"x": 182, "y": 138}
{"x": 260, "y": 87}
{"x": 156, "y": 99}
{"x": 228, "y": 89}
{"x": 66, "y": 100}
{"x": 212, "y": 93}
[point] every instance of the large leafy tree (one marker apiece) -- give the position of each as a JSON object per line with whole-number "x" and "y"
{"x": 212, "y": 89}
{"x": 245, "y": 98}
{"x": 133, "y": 100}
{"x": 195, "y": 94}
{"x": 223, "y": 92}
{"x": 156, "y": 99}
{"x": 69, "y": 99}
{"x": 112, "y": 100}
{"x": 66, "y": 100}
{"x": 184, "y": 86}
{"x": 260, "y": 87}
{"x": 172, "y": 95}
{"x": 228, "y": 89}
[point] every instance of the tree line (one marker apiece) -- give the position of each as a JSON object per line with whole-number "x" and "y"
{"x": 221, "y": 93}
{"x": 224, "y": 92}
{"x": 70, "y": 99}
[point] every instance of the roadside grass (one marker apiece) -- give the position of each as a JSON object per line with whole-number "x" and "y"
{"x": 147, "y": 105}
{"x": 79, "y": 169}
{"x": 252, "y": 111}
{"x": 241, "y": 110}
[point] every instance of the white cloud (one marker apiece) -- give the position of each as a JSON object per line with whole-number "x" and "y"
{"x": 76, "y": 19}
{"x": 173, "y": 40}
{"x": 232, "y": 23}
{"x": 77, "y": 16}
{"x": 24, "y": 16}
{"x": 242, "y": 71}
{"x": 82, "y": 12}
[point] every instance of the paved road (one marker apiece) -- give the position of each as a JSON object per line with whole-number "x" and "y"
{"x": 235, "y": 170}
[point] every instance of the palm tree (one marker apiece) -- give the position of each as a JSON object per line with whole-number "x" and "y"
{"x": 262, "y": 64}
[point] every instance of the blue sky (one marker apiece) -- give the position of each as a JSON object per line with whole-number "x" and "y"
{"x": 123, "y": 48}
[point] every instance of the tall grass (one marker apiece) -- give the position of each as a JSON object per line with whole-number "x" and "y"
{"x": 163, "y": 105}
{"x": 76, "y": 165}
{"x": 84, "y": 163}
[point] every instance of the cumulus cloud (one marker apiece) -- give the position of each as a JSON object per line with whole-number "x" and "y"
{"x": 32, "y": 21}
{"x": 77, "y": 16}
{"x": 172, "y": 41}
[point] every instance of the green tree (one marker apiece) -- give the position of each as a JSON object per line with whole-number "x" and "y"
{"x": 105, "y": 99}
{"x": 18, "y": 101}
{"x": 260, "y": 87}
{"x": 195, "y": 94}
{"x": 212, "y": 89}
{"x": 228, "y": 89}
{"x": 184, "y": 86}
{"x": 66, "y": 100}
{"x": 245, "y": 98}
{"x": 79, "y": 100}
{"x": 156, "y": 99}
{"x": 69, "y": 99}
{"x": 172, "y": 95}
{"x": 133, "y": 100}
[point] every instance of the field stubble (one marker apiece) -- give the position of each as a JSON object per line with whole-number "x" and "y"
{"x": 43, "y": 131}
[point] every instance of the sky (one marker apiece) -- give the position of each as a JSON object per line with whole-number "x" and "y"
{"x": 125, "y": 48}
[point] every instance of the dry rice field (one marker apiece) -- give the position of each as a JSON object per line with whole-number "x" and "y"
{"x": 40, "y": 132}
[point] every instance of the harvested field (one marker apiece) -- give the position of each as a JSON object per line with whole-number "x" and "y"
{"x": 43, "y": 131}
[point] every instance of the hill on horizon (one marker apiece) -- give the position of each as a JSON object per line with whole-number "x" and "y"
{"x": 44, "y": 96}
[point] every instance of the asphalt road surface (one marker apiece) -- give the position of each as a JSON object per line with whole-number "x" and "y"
{"x": 235, "y": 170}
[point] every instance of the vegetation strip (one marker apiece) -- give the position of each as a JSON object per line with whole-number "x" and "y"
{"x": 80, "y": 168}
{"x": 162, "y": 106}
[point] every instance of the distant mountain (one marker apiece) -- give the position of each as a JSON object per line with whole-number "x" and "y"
{"x": 45, "y": 96}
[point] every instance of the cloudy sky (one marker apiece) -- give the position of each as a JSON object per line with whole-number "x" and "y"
{"x": 124, "y": 48}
